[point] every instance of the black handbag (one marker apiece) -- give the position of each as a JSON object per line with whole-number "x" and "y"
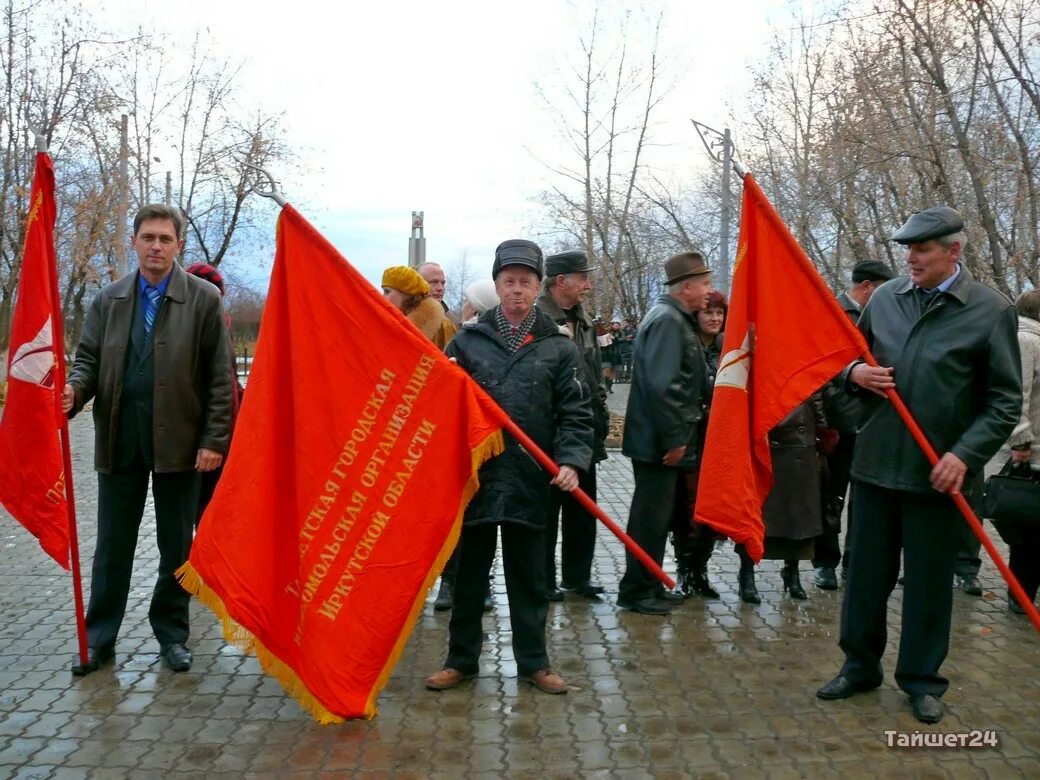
{"x": 1013, "y": 496}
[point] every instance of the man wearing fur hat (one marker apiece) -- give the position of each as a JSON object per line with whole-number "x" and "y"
{"x": 410, "y": 293}
{"x": 947, "y": 344}
{"x": 520, "y": 357}
{"x": 567, "y": 282}
{"x": 665, "y": 406}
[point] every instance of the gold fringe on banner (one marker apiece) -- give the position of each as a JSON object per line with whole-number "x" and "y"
{"x": 242, "y": 638}
{"x": 239, "y": 636}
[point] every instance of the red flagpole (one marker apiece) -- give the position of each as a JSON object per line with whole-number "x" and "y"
{"x": 549, "y": 465}
{"x": 66, "y": 454}
{"x": 962, "y": 504}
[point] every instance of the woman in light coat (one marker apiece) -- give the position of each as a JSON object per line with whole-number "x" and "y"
{"x": 1025, "y": 444}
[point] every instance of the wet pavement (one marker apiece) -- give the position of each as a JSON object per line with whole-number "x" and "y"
{"x": 718, "y": 689}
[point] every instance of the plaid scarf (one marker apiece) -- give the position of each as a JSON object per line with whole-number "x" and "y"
{"x": 513, "y": 335}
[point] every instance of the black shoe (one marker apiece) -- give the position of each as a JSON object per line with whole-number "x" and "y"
{"x": 647, "y": 606}
{"x": 826, "y": 579}
{"x": 1014, "y": 606}
{"x": 554, "y": 594}
{"x": 746, "y": 587}
{"x": 588, "y": 590}
{"x": 844, "y": 572}
{"x": 792, "y": 583}
{"x": 96, "y": 658}
{"x": 669, "y": 596}
{"x": 841, "y": 687}
{"x": 927, "y": 708}
{"x": 177, "y": 657}
{"x": 489, "y": 601}
{"x": 443, "y": 600}
{"x": 968, "y": 583}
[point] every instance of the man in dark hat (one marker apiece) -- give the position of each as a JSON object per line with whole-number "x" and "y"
{"x": 948, "y": 344}
{"x": 669, "y": 384}
{"x": 568, "y": 279}
{"x": 520, "y": 357}
{"x": 843, "y": 415}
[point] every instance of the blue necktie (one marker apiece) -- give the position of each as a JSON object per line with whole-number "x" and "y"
{"x": 152, "y": 296}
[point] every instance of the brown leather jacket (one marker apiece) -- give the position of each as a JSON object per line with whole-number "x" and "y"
{"x": 192, "y": 350}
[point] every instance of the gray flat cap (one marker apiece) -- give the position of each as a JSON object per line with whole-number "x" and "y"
{"x": 936, "y": 222}
{"x": 573, "y": 262}
{"x": 872, "y": 270}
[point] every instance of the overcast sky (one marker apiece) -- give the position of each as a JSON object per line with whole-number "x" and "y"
{"x": 398, "y": 106}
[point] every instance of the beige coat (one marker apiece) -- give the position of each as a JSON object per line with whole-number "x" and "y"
{"x": 1028, "y": 427}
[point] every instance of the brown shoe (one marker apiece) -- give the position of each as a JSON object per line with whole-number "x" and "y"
{"x": 548, "y": 681}
{"x": 446, "y": 678}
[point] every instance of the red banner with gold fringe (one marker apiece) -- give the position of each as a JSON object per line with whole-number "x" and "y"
{"x": 355, "y": 453}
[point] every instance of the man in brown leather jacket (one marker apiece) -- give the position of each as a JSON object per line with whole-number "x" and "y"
{"x": 153, "y": 355}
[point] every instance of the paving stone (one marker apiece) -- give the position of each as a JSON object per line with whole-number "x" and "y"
{"x": 717, "y": 689}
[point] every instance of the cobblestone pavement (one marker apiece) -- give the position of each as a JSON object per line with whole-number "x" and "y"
{"x": 718, "y": 689}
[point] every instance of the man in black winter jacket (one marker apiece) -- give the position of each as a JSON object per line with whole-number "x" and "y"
{"x": 669, "y": 386}
{"x": 520, "y": 357}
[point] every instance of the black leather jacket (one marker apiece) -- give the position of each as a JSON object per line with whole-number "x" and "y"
{"x": 956, "y": 367}
{"x": 669, "y": 386}
{"x": 540, "y": 387}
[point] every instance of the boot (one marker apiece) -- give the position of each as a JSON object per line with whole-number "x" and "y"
{"x": 792, "y": 584}
{"x": 746, "y": 582}
{"x": 443, "y": 600}
{"x": 701, "y": 584}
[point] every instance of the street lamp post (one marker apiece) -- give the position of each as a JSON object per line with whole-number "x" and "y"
{"x": 720, "y": 147}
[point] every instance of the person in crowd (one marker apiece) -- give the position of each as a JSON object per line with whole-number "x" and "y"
{"x": 1025, "y": 445}
{"x": 663, "y": 425}
{"x": 568, "y": 280}
{"x": 792, "y": 511}
{"x": 479, "y": 297}
{"x": 208, "y": 479}
{"x": 843, "y": 412}
{"x": 694, "y": 543}
{"x": 948, "y": 344}
{"x": 410, "y": 294}
{"x": 626, "y": 345}
{"x": 154, "y": 355}
{"x": 608, "y": 351}
{"x": 433, "y": 273}
{"x": 520, "y": 357}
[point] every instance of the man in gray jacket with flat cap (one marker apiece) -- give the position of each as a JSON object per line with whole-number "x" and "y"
{"x": 948, "y": 344}
{"x": 568, "y": 279}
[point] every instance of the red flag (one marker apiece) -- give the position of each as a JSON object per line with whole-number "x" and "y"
{"x": 32, "y": 483}
{"x": 785, "y": 337}
{"x": 355, "y": 452}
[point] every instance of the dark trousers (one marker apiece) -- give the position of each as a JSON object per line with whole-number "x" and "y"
{"x": 523, "y": 558}
{"x": 924, "y": 527}
{"x": 659, "y": 496}
{"x": 1025, "y": 561}
{"x": 207, "y": 486}
{"x": 579, "y": 535}
{"x": 835, "y": 486}
{"x": 968, "y": 561}
{"x": 121, "y": 499}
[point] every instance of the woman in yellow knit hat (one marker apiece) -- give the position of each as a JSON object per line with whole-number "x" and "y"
{"x": 410, "y": 293}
